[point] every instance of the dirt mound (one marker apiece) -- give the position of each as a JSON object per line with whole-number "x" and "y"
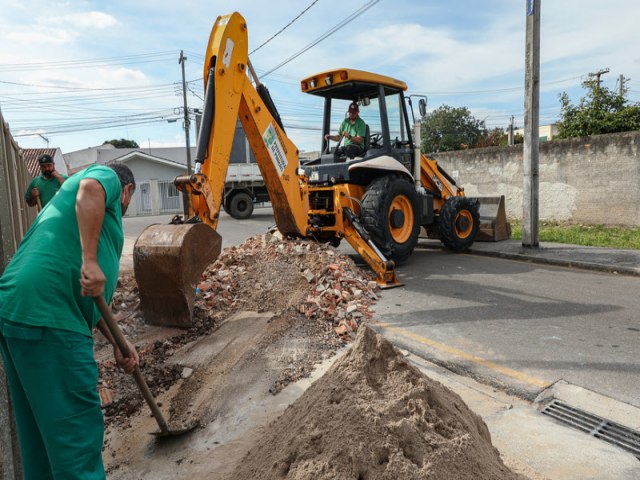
{"x": 374, "y": 416}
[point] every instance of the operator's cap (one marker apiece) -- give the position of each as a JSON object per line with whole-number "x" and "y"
{"x": 45, "y": 158}
{"x": 354, "y": 107}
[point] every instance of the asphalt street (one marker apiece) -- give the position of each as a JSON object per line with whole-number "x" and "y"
{"x": 536, "y": 324}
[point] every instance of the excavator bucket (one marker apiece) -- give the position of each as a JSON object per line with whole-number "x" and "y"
{"x": 168, "y": 261}
{"x": 493, "y": 220}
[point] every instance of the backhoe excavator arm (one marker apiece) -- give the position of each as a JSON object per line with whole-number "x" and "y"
{"x": 229, "y": 94}
{"x": 168, "y": 260}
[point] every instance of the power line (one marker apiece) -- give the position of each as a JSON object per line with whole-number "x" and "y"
{"x": 88, "y": 62}
{"x": 327, "y": 34}
{"x": 81, "y": 89}
{"x": 283, "y": 28}
{"x": 497, "y": 90}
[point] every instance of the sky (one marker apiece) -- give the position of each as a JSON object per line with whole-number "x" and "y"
{"x": 75, "y": 73}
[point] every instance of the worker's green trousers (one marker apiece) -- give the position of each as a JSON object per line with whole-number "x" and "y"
{"x": 52, "y": 379}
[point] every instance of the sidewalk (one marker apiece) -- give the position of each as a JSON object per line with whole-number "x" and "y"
{"x": 617, "y": 261}
{"x": 536, "y": 445}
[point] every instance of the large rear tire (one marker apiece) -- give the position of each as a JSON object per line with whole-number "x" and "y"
{"x": 241, "y": 206}
{"x": 391, "y": 213}
{"x": 458, "y": 223}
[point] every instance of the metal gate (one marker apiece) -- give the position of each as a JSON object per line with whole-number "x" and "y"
{"x": 142, "y": 198}
{"x": 170, "y": 197}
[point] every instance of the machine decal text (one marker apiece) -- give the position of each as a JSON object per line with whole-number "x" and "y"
{"x": 228, "y": 51}
{"x": 275, "y": 149}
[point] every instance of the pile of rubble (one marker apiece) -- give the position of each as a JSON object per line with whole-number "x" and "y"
{"x": 306, "y": 283}
{"x": 339, "y": 292}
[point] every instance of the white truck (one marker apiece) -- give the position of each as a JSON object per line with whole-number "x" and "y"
{"x": 244, "y": 185}
{"x": 243, "y": 188}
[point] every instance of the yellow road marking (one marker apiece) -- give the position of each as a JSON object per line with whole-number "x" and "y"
{"x": 523, "y": 377}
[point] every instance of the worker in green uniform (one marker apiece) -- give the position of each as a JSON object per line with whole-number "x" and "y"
{"x": 70, "y": 254}
{"x": 45, "y": 185}
{"x": 353, "y": 130}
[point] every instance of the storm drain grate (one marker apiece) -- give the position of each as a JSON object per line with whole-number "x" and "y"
{"x": 598, "y": 427}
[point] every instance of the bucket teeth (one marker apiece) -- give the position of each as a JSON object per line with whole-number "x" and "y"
{"x": 168, "y": 261}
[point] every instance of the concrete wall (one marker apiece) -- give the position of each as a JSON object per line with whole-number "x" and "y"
{"x": 592, "y": 180}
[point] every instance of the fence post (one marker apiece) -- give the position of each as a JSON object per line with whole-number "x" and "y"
{"x": 154, "y": 190}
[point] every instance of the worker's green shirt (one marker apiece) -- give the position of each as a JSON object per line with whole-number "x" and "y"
{"x": 355, "y": 129}
{"x": 46, "y": 186}
{"x": 41, "y": 284}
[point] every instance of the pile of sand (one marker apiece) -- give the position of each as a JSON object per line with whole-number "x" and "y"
{"x": 375, "y": 416}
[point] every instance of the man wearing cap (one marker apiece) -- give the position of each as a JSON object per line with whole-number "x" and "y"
{"x": 70, "y": 254}
{"x": 44, "y": 186}
{"x": 353, "y": 129}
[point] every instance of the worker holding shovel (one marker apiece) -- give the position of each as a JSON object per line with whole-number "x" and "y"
{"x": 69, "y": 255}
{"x": 43, "y": 187}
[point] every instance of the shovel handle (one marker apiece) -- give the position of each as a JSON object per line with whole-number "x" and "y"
{"x": 39, "y": 203}
{"x": 123, "y": 346}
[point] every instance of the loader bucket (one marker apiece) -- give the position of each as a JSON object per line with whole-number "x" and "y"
{"x": 168, "y": 261}
{"x": 493, "y": 220}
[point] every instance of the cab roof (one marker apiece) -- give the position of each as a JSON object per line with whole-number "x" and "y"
{"x": 349, "y": 84}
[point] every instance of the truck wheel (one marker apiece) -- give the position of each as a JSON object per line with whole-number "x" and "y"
{"x": 458, "y": 223}
{"x": 391, "y": 213}
{"x": 241, "y": 206}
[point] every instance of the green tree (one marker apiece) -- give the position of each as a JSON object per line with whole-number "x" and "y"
{"x": 448, "y": 128}
{"x": 600, "y": 111}
{"x": 122, "y": 143}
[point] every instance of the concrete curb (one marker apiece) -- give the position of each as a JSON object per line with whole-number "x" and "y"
{"x": 542, "y": 257}
{"x": 560, "y": 262}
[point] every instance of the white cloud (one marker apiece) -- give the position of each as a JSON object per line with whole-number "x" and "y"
{"x": 177, "y": 141}
{"x": 26, "y": 37}
{"x": 83, "y": 20}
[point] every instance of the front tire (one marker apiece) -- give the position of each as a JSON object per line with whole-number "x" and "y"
{"x": 391, "y": 213}
{"x": 458, "y": 223}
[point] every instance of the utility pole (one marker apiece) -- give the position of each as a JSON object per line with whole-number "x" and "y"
{"x": 186, "y": 112}
{"x": 531, "y": 185}
{"x": 185, "y": 194}
{"x": 598, "y": 74}
{"x": 510, "y": 138}
{"x": 621, "y": 85}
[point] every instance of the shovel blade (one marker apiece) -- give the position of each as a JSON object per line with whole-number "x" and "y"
{"x": 168, "y": 261}
{"x": 176, "y": 431}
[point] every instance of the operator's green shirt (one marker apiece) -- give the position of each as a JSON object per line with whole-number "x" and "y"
{"x": 46, "y": 186}
{"x": 41, "y": 284}
{"x": 355, "y": 129}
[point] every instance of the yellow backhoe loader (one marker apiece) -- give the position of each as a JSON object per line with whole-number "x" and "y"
{"x": 377, "y": 202}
